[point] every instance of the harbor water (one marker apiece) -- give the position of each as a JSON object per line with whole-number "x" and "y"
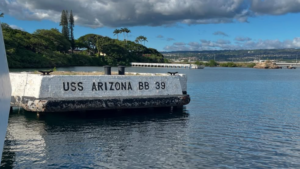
{"x": 237, "y": 118}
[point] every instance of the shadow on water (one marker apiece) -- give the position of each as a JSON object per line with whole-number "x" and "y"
{"x": 115, "y": 116}
{"x": 8, "y": 156}
{"x": 82, "y": 122}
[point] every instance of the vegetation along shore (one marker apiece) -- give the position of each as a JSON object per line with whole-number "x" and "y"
{"x": 52, "y": 48}
{"x": 213, "y": 63}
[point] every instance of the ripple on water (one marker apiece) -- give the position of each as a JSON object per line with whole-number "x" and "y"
{"x": 237, "y": 118}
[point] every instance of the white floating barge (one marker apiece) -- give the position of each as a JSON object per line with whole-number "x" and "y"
{"x": 60, "y": 93}
{"x": 167, "y": 65}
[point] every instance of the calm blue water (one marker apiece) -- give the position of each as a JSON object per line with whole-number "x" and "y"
{"x": 238, "y": 118}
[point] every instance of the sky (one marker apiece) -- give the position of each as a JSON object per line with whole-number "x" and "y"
{"x": 170, "y": 25}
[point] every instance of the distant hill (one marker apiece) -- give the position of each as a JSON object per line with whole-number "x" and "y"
{"x": 236, "y": 55}
{"x": 48, "y": 48}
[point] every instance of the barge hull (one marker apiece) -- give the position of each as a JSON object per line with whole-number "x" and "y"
{"x": 104, "y": 103}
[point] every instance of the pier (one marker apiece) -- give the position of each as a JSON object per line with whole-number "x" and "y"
{"x": 62, "y": 93}
{"x": 165, "y": 65}
{"x": 287, "y": 64}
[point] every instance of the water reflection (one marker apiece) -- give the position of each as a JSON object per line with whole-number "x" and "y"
{"x": 237, "y": 118}
{"x": 92, "y": 139}
{"x": 8, "y": 156}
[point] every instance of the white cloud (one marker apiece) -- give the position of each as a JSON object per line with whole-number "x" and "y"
{"x": 16, "y": 27}
{"x": 179, "y": 43}
{"x": 116, "y": 13}
{"x": 275, "y": 7}
{"x": 242, "y": 39}
{"x": 119, "y": 13}
{"x": 222, "y": 41}
{"x": 170, "y": 39}
{"x": 220, "y": 33}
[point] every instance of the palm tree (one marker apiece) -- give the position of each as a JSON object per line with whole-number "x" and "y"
{"x": 116, "y": 32}
{"x": 138, "y": 39}
{"x": 123, "y": 31}
{"x": 127, "y": 31}
{"x": 144, "y": 39}
{"x": 2, "y": 15}
{"x": 141, "y": 39}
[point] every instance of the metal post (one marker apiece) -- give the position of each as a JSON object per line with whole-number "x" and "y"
{"x": 121, "y": 70}
{"x": 107, "y": 70}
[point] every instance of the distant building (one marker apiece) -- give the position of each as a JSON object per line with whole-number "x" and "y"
{"x": 102, "y": 54}
{"x": 262, "y": 61}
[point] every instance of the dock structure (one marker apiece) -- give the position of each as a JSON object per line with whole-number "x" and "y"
{"x": 60, "y": 93}
{"x": 288, "y": 64}
{"x": 165, "y": 65}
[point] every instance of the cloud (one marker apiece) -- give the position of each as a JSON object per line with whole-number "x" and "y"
{"x": 242, "y": 39}
{"x": 275, "y": 7}
{"x": 16, "y": 27}
{"x": 222, "y": 41}
{"x": 226, "y": 45}
{"x": 272, "y": 44}
{"x": 177, "y": 46}
{"x": 119, "y": 13}
{"x": 179, "y": 43}
{"x": 162, "y": 37}
{"x": 220, "y": 33}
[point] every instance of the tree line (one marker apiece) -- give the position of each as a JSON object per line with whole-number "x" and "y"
{"x": 213, "y": 63}
{"x": 139, "y": 39}
{"x": 52, "y": 48}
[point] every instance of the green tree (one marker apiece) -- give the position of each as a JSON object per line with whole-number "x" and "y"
{"x": 2, "y": 15}
{"x": 54, "y": 40}
{"x": 198, "y": 62}
{"x": 80, "y": 45}
{"x": 64, "y": 24}
{"x": 5, "y": 26}
{"x": 138, "y": 39}
{"x": 90, "y": 40}
{"x": 141, "y": 39}
{"x": 211, "y": 63}
{"x": 48, "y": 48}
{"x": 116, "y": 32}
{"x": 101, "y": 41}
{"x": 144, "y": 40}
{"x": 71, "y": 27}
{"x": 122, "y": 30}
{"x": 127, "y": 31}
{"x": 115, "y": 54}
